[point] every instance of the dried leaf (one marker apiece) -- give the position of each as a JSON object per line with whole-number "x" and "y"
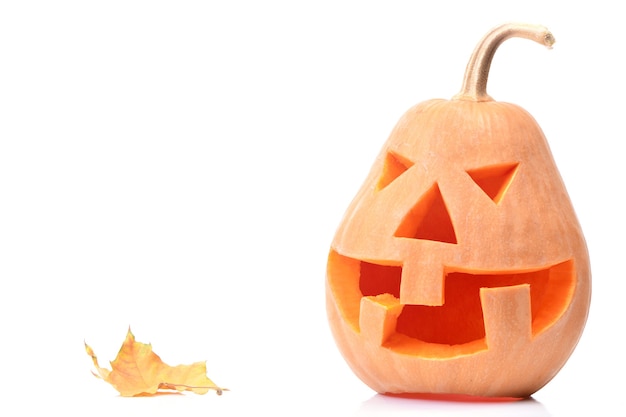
{"x": 137, "y": 370}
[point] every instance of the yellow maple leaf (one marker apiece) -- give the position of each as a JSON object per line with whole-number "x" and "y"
{"x": 137, "y": 370}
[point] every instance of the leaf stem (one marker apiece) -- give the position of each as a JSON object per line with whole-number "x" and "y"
{"x": 167, "y": 385}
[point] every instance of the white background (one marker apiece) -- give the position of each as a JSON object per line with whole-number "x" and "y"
{"x": 180, "y": 167}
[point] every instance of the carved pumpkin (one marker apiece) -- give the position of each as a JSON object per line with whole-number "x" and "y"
{"x": 460, "y": 266}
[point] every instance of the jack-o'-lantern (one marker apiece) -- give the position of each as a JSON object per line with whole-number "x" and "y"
{"x": 460, "y": 267}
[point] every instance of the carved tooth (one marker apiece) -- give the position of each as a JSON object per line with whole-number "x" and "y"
{"x": 508, "y": 317}
{"x": 428, "y": 289}
{"x": 378, "y": 317}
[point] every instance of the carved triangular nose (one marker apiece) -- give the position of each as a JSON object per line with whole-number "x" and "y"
{"x": 429, "y": 219}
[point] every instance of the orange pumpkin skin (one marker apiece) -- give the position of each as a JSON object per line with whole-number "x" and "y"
{"x": 460, "y": 266}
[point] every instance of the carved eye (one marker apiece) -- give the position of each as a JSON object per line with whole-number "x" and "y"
{"x": 494, "y": 180}
{"x": 394, "y": 166}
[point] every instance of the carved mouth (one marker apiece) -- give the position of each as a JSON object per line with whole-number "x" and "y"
{"x": 459, "y": 321}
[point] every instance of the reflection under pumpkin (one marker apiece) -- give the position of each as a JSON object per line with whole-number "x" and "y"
{"x": 459, "y": 321}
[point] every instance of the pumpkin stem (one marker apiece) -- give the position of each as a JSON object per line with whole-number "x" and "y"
{"x": 477, "y": 71}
